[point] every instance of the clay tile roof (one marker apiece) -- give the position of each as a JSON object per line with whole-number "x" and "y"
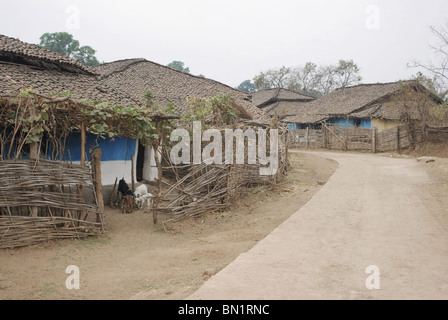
{"x": 14, "y": 50}
{"x": 15, "y": 78}
{"x": 287, "y": 108}
{"x": 362, "y": 101}
{"x": 304, "y": 118}
{"x": 345, "y": 101}
{"x": 136, "y": 76}
{"x": 268, "y": 96}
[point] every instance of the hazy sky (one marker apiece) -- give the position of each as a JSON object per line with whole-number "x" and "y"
{"x": 231, "y": 41}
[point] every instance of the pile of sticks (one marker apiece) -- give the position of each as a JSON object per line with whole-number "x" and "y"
{"x": 203, "y": 188}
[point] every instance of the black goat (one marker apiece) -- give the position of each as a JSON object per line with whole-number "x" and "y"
{"x": 126, "y": 196}
{"x": 123, "y": 189}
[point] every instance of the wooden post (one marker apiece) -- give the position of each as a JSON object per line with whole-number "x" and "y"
{"x": 274, "y": 121}
{"x": 113, "y": 193}
{"x": 398, "y": 140}
{"x": 274, "y": 125}
{"x": 82, "y": 160}
{"x": 34, "y": 155}
{"x": 345, "y": 133}
{"x": 307, "y": 137}
{"x": 155, "y": 147}
{"x": 132, "y": 174}
{"x": 374, "y": 140}
{"x": 324, "y": 134}
{"x": 410, "y": 136}
{"x": 98, "y": 184}
{"x": 83, "y": 143}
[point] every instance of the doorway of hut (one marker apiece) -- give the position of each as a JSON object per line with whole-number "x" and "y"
{"x": 140, "y": 162}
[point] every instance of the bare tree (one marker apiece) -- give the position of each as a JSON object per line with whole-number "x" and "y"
{"x": 438, "y": 68}
{"x": 325, "y": 79}
{"x": 303, "y": 79}
{"x": 273, "y": 78}
{"x": 310, "y": 78}
{"x": 347, "y": 74}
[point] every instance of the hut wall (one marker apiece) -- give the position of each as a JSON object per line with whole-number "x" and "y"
{"x": 149, "y": 164}
{"x": 342, "y": 122}
{"x": 116, "y": 160}
{"x": 386, "y": 124}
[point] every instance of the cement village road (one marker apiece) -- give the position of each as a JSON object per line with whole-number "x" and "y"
{"x": 367, "y": 234}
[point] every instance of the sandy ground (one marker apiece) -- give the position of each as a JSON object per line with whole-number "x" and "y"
{"x": 386, "y": 212}
{"x": 136, "y": 260}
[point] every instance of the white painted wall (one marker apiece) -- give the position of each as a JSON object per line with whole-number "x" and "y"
{"x": 122, "y": 169}
{"x": 149, "y": 166}
{"x": 117, "y": 169}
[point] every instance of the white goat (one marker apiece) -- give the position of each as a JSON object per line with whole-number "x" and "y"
{"x": 142, "y": 196}
{"x": 146, "y": 200}
{"x": 141, "y": 190}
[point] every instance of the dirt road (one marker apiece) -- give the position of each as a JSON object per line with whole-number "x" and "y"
{"x": 136, "y": 260}
{"x": 374, "y": 210}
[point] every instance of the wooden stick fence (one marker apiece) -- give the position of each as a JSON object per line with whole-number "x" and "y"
{"x": 357, "y": 139}
{"x": 40, "y": 201}
{"x": 209, "y": 188}
{"x": 44, "y": 199}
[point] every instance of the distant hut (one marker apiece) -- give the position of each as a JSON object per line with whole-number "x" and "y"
{"x": 380, "y": 105}
{"x": 285, "y": 103}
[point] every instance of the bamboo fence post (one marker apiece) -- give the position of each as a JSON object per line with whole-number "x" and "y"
{"x": 98, "y": 185}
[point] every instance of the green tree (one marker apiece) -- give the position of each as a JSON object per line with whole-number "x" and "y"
{"x": 178, "y": 65}
{"x": 63, "y": 43}
{"x": 86, "y": 55}
{"x": 246, "y": 86}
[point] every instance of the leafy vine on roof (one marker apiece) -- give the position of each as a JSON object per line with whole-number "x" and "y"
{"x": 27, "y": 117}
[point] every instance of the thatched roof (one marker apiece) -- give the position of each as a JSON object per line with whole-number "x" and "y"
{"x": 16, "y": 51}
{"x": 266, "y": 97}
{"x": 136, "y": 76}
{"x": 364, "y": 101}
